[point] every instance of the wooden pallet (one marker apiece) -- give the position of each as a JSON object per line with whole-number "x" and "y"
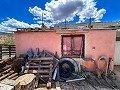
{"x": 42, "y": 68}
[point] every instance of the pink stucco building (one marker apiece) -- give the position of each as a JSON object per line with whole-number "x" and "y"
{"x": 75, "y": 43}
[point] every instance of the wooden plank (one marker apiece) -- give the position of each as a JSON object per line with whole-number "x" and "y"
{"x": 0, "y": 52}
{"x": 13, "y": 75}
{"x": 8, "y": 52}
{"x": 5, "y": 48}
{"x": 45, "y": 58}
{"x": 32, "y": 66}
{"x": 32, "y": 63}
{"x": 57, "y": 86}
{"x": 9, "y": 66}
{"x": 7, "y": 45}
{"x": 43, "y": 63}
{"x": 6, "y": 71}
{"x": 50, "y": 74}
{"x": 6, "y": 75}
{"x": 42, "y": 86}
{"x": 44, "y": 76}
{"x": 46, "y": 66}
{"x": 14, "y": 78}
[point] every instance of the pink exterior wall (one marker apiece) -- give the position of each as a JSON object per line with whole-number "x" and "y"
{"x": 42, "y": 40}
{"x": 103, "y": 41}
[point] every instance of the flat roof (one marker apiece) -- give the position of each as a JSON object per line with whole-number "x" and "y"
{"x": 53, "y": 30}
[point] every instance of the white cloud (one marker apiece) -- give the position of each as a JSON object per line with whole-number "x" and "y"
{"x": 12, "y": 24}
{"x": 99, "y": 14}
{"x": 36, "y": 11}
{"x": 58, "y": 10}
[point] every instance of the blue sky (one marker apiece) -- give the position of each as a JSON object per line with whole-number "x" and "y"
{"x": 112, "y": 9}
{"x": 27, "y": 13}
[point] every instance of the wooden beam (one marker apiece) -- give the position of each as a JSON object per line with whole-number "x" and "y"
{"x": 41, "y": 71}
{"x": 6, "y": 75}
{"x": 45, "y": 58}
{"x": 13, "y": 75}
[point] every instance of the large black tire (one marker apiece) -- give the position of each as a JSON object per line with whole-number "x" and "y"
{"x": 66, "y": 68}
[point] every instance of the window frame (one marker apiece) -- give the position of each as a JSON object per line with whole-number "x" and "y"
{"x": 72, "y": 45}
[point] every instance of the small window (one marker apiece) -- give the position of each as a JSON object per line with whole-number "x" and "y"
{"x": 73, "y": 46}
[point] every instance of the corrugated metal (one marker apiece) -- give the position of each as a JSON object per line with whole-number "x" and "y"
{"x": 117, "y": 53}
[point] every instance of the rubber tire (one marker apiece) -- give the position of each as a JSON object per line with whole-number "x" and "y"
{"x": 71, "y": 69}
